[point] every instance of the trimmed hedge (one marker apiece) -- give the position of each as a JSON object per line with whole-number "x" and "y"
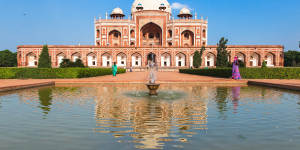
{"x": 54, "y": 73}
{"x": 248, "y": 73}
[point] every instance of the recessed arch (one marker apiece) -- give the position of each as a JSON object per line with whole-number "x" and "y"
{"x": 132, "y": 33}
{"x": 121, "y": 59}
{"x": 60, "y": 57}
{"x": 187, "y": 38}
{"x": 75, "y": 56}
{"x": 255, "y": 59}
{"x": 91, "y": 59}
{"x": 180, "y": 59}
{"x": 241, "y": 56}
{"x": 151, "y": 57}
{"x": 165, "y": 59}
{"x": 151, "y": 35}
{"x": 270, "y": 59}
{"x": 106, "y": 60}
{"x": 114, "y": 38}
{"x": 210, "y": 59}
{"x": 136, "y": 60}
{"x": 31, "y": 59}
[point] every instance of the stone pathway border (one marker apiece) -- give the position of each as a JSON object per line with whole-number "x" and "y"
{"x": 11, "y": 85}
{"x": 141, "y": 77}
{"x": 283, "y": 84}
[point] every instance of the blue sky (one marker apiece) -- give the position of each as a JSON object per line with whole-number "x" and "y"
{"x": 71, "y": 21}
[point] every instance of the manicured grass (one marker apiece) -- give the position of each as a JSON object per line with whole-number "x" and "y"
{"x": 54, "y": 73}
{"x": 249, "y": 73}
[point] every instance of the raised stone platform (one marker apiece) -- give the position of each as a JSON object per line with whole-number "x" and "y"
{"x": 10, "y": 85}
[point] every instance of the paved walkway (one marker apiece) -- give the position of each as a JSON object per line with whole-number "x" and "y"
{"x": 162, "y": 77}
{"x": 142, "y": 77}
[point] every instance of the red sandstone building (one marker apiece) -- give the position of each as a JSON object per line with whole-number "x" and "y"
{"x": 150, "y": 32}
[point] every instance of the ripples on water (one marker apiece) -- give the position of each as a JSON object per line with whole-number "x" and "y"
{"x": 114, "y": 116}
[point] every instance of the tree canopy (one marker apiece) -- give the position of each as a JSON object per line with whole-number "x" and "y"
{"x": 45, "y": 58}
{"x": 67, "y": 63}
{"x": 292, "y": 58}
{"x": 197, "y": 58}
{"x": 8, "y": 59}
{"x": 222, "y": 54}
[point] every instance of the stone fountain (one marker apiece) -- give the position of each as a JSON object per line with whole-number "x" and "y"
{"x": 152, "y": 86}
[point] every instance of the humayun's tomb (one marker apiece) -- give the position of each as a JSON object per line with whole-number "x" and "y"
{"x": 150, "y": 32}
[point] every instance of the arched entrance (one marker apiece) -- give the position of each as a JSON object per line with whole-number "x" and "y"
{"x": 180, "y": 60}
{"x": 165, "y": 60}
{"x": 136, "y": 60}
{"x": 151, "y": 57}
{"x": 151, "y": 35}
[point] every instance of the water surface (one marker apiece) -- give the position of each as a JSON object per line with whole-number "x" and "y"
{"x": 123, "y": 116}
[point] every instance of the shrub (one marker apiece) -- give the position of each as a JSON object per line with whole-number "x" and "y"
{"x": 78, "y": 63}
{"x": 67, "y": 63}
{"x": 45, "y": 58}
{"x": 7, "y": 73}
{"x": 249, "y": 73}
{"x": 54, "y": 73}
{"x": 264, "y": 64}
{"x": 242, "y": 64}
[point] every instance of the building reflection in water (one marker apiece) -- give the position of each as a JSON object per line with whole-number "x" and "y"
{"x": 149, "y": 123}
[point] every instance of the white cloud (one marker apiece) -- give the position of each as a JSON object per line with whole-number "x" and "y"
{"x": 178, "y": 6}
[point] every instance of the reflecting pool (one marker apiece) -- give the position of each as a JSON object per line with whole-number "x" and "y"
{"x": 124, "y": 116}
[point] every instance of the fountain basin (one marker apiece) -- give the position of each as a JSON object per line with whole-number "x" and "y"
{"x": 153, "y": 87}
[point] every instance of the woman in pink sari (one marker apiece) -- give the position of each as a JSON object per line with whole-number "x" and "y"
{"x": 235, "y": 69}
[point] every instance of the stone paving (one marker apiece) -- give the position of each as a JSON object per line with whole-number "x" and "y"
{"x": 162, "y": 77}
{"x": 142, "y": 77}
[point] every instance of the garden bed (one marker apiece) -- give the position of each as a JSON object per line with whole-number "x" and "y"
{"x": 248, "y": 73}
{"x": 54, "y": 73}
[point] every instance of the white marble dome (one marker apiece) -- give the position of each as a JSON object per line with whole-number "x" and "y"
{"x": 151, "y": 5}
{"x": 185, "y": 11}
{"x": 117, "y": 11}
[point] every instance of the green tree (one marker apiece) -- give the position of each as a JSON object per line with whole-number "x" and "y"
{"x": 222, "y": 54}
{"x": 45, "y": 59}
{"x": 8, "y": 59}
{"x": 242, "y": 64}
{"x": 78, "y": 63}
{"x": 264, "y": 64}
{"x": 201, "y": 53}
{"x": 67, "y": 63}
{"x": 292, "y": 58}
{"x": 196, "y": 59}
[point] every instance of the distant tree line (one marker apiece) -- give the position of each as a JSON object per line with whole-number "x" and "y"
{"x": 292, "y": 58}
{"x": 8, "y": 59}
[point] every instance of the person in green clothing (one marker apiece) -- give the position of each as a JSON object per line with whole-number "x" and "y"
{"x": 114, "y": 69}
